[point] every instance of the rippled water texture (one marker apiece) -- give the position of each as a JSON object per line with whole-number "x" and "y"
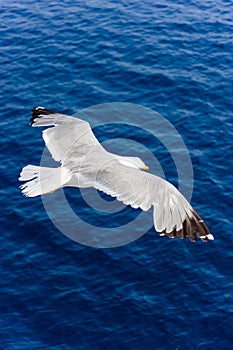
{"x": 174, "y": 57}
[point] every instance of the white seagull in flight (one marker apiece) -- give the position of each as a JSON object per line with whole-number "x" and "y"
{"x": 85, "y": 163}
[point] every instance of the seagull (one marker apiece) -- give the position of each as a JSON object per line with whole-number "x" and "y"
{"x": 85, "y": 163}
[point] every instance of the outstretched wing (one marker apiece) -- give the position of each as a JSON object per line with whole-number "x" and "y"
{"x": 173, "y": 215}
{"x": 67, "y": 136}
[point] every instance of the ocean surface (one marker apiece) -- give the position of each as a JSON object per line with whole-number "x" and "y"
{"x": 176, "y": 58}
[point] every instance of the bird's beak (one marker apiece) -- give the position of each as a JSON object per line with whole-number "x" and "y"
{"x": 145, "y": 168}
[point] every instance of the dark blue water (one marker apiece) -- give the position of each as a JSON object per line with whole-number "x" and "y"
{"x": 176, "y": 58}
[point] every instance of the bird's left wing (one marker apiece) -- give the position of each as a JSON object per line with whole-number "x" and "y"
{"x": 67, "y": 136}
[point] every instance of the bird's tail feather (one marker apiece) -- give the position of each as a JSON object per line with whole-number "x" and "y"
{"x": 42, "y": 180}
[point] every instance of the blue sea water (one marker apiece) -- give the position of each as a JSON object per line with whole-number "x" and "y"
{"x": 174, "y": 57}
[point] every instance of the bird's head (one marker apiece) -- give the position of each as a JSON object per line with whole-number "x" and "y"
{"x": 133, "y": 162}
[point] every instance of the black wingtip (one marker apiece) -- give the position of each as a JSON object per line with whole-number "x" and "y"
{"x": 193, "y": 228}
{"x": 37, "y": 112}
{"x": 200, "y": 228}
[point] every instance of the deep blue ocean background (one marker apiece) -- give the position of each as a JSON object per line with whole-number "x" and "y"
{"x": 175, "y": 57}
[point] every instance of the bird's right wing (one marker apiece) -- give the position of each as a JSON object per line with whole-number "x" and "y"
{"x": 173, "y": 215}
{"x": 68, "y": 136}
